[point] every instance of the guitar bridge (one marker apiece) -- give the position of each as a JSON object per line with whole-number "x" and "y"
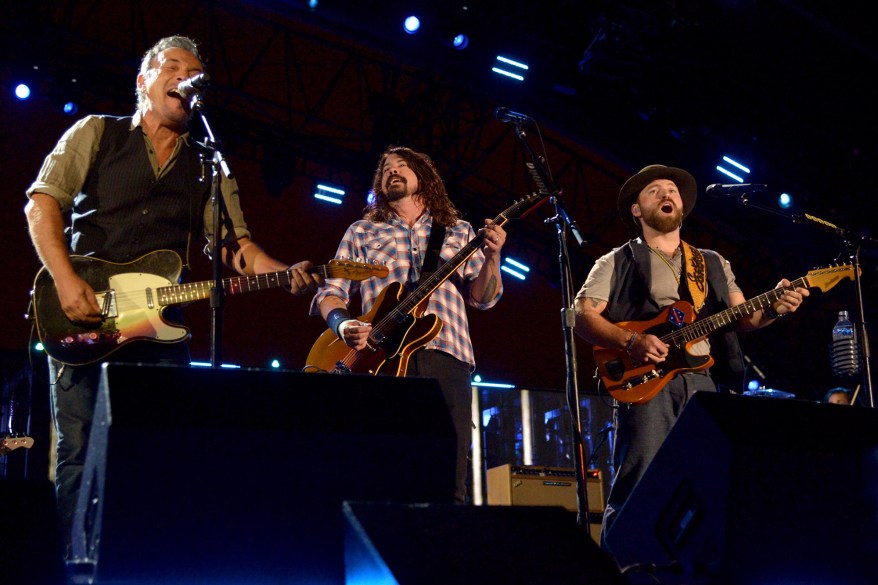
{"x": 108, "y": 304}
{"x": 638, "y": 380}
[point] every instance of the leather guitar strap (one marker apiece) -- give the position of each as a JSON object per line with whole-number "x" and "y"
{"x": 696, "y": 275}
{"x": 434, "y": 246}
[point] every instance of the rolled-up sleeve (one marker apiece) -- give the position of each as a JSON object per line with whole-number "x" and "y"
{"x": 65, "y": 169}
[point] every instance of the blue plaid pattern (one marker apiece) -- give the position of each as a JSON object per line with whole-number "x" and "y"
{"x": 402, "y": 250}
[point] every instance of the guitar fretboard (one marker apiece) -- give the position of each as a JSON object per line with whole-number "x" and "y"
{"x": 399, "y": 314}
{"x": 194, "y": 291}
{"x": 708, "y": 325}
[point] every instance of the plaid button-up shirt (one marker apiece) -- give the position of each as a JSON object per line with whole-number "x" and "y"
{"x": 402, "y": 250}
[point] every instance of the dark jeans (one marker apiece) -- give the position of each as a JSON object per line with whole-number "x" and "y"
{"x": 640, "y": 431}
{"x": 453, "y": 376}
{"x": 74, "y": 394}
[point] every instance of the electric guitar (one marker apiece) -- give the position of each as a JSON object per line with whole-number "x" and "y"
{"x": 133, "y": 296}
{"x": 400, "y": 326}
{"x": 676, "y": 326}
{"x": 11, "y": 443}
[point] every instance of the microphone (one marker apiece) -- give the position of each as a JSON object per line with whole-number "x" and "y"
{"x": 735, "y": 189}
{"x": 507, "y": 115}
{"x": 195, "y": 84}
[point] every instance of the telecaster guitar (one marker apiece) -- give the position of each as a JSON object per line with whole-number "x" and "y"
{"x": 676, "y": 326}
{"x": 133, "y": 296}
{"x": 400, "y": 326}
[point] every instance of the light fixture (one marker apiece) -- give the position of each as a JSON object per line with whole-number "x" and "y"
{"x": 411, "y": 24}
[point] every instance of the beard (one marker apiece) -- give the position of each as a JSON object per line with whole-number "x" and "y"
{"x": 396, "y": 191}
{"x": 662, "y": 222}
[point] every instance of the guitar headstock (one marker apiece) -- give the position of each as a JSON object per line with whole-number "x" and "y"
{"x": 8, "y": 444}
{"x": 521, "y": 207}
{"x": 355, "y": 270}
{"x": 828, "y": 277}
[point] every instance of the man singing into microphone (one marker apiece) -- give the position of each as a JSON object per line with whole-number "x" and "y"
{"x": 633, "y": 283}
{"x": 131, "y": 186}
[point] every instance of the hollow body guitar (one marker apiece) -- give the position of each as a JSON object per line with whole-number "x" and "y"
{"x": 399, "y": 323}
{"x": 676, "y": 326}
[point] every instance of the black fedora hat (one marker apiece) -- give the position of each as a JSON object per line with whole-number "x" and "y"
{"x": 633, "y": 186}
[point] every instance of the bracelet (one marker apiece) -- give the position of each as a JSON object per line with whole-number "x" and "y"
{"x": 336, "y": 317}
{"x": 772, "y": 314}
{"x": 630, "y": 343}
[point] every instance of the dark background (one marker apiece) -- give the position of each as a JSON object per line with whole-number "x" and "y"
{"x": 305, "y": 95}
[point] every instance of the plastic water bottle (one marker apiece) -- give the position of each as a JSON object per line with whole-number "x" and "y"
{"x": 844, "y": 351}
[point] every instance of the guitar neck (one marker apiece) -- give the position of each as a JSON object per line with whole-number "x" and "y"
{"x": 708, "y": 325}
{"x": 435, "y": 280}
{"x": 194, "y": 291}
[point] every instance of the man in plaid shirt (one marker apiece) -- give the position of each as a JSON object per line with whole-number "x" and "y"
{"x": 410, "y": 199}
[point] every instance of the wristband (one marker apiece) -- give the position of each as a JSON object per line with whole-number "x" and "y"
{"x": 335, "y": 318}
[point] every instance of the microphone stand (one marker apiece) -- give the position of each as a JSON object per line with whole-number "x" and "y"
{"x": 213, "y": 164}
{"x": 852, "y": 242}
{"x": 562, "y": 220}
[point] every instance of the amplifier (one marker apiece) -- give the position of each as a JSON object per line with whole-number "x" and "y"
{"x": 528, "y": 485}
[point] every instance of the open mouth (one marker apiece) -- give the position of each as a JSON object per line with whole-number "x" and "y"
{"x": 394, "y": 180}
{"x": 667, "y": 207}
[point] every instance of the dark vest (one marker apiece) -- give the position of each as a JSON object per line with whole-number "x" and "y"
{"x": 123, "y": 212}
{"x": 630, "y": 301}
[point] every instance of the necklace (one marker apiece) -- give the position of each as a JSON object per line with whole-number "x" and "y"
{"x": 667, "y": 263}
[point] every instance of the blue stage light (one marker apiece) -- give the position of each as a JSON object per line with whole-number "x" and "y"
{"x": 785, "y": 201}
{"x": 275, "y": 363}
{"x": 753, "y": 385}
{"x": 730, "y": 174}
{"x": 736, "y": 164}
{"x": 460, "y": 42}
{"x": 22, "y": 91}
{"x": 411, "y": 24}
{"x": 70, "y": 108}
{"x": 329, "y": 194}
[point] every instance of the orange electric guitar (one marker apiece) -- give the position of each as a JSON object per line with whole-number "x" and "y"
{"x": 400, "y": 326}
{"x": 676, "y": 326}
{"x": 134, "y": 294}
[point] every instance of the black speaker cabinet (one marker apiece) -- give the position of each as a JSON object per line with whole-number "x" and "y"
{"x": 30, "y": 534}
{"x": 219, "y": 476}
{"x": 398, "y": 544}
{"x": 750, "y": 490}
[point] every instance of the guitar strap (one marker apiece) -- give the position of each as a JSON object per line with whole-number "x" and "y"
{"x": 434, "y": 246}
{"x": 696, "y": 275}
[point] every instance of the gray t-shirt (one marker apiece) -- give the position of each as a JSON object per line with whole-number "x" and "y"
{"x": 664, "y": 287}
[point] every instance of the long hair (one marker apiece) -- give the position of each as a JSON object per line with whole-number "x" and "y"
{"x": 431, "y": 188}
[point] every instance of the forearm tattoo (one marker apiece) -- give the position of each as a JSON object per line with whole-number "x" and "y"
{"x": 490, "y": 289}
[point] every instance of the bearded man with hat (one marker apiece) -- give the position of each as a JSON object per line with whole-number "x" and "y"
{"x": 634, "y": 282}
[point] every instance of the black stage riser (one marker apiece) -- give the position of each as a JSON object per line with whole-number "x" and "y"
{"x": 749, "y": 490}
{"x": 395, "y": 544}
{"x": 213, "y": 476}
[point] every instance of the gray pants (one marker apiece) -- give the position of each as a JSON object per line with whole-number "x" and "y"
{"x": 640, "y": 431}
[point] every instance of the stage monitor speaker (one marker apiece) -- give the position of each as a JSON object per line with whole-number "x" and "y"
{"x": 221, "y": 476}
{"x": 397, "y": 544}
{"x": 751, "y": 490}
{"x": 30, "y": 534}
